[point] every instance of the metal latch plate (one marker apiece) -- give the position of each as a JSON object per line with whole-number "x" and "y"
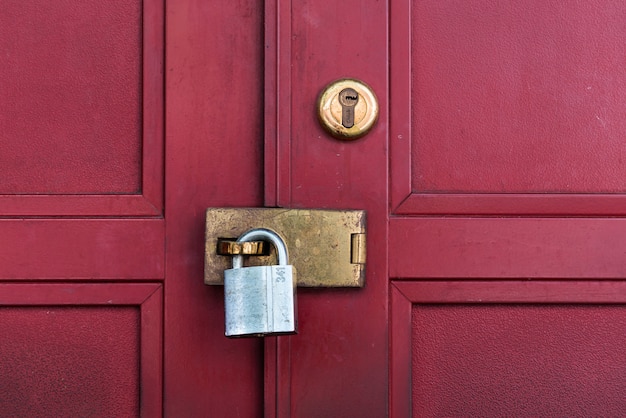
{"x": 326, "y": 247}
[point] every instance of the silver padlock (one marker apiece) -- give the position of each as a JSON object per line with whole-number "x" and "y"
{"x": 260, "y": 300}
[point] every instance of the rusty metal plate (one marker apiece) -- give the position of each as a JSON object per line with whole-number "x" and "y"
{"x": 326, "y": 247}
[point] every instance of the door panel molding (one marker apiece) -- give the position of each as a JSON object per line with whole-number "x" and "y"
{"x": 277, "y": 376}
{"x": 82, "y": 249}
{"x": 277, "y": 87}
{"x": 575, "y": 248}
{"x": 408, "y": 198}
{"x": 147, "y": 297}
{"x": 148, "y": 200}
{"x": 405, "y": 295}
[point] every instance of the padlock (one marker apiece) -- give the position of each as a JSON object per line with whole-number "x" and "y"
{"x": 260, "y": 300}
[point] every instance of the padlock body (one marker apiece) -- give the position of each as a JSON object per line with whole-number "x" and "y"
{"x": 259, "y": 301}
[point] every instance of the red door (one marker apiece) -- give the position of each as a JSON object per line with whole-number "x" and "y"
{"x": 506, "y": 237}
{"x": 102, "y": 307}
{"x": 495, "y": 179}
{"x": 493, "y": 183}
{"x": 81, "y": 208}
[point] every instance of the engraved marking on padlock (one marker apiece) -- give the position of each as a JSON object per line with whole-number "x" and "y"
{"x": 275, "y": 304}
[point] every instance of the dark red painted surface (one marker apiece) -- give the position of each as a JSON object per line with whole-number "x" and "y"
{"x": 81, "y": 199}
{"x": 81, "y": 349}
{"x": 75, "y": 93}
{"x": 490, "y": 171}
{"x": 527, "y": 360}
{"x": 576, "y": 248}
{"x": 520, "y": 97}
{"x": 538, "y": 348}
{"x": 337, "y": 364}
{"x": 82, "y": 119}
{"x": 71, "y": 361}
{"x": 213, "y": 158}
{"x": 505, "y": 164}
{"x": 493, "y": 115}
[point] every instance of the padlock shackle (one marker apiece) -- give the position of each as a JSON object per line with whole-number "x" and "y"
{"x": 262, "y": 234}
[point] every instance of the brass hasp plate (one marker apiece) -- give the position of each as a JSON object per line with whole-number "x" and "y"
{"x": 326, "y": 247}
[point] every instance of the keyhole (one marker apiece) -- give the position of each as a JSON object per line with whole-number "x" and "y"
{"x": 348, "y": 98}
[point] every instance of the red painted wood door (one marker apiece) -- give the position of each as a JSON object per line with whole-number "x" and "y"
{"x": 81, "y": 208}
{"x": 507, "y": 202}
{"x": 493, "y": 183}
{"x": 111, "y": 151}
{"x": 495, "y": 193}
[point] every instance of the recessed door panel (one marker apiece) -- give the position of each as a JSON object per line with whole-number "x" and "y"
{"x": 81, "y": 109}
{"x": 81, "y": 349}
{"x": 71, "y": 108}
{"x": 522, "y": 97}
{"x": 529, "y": 360}
{"x": 492, "y": 348}
{"x": 508, "y": 108}
{"x": 69, "y": 361}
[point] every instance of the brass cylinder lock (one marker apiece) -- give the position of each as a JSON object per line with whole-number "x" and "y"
{"x": 347, "y": 109}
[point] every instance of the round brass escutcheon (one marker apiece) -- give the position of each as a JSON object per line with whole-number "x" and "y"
{"x": 347, "y": 109}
